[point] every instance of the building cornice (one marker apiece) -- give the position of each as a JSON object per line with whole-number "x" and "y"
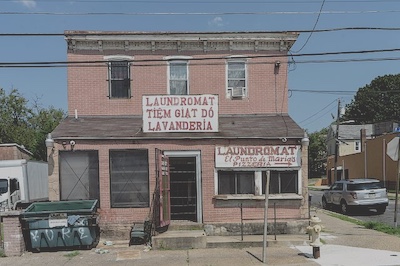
{"x": 180, "y": 41}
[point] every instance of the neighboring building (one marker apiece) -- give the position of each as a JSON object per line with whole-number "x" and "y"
{"x": 361, "y": 152}
{"x": 199, "y": 118}
{"x": 372, "y": 162}
{"x": 13, "y": 151}
{"x": 350, "y": 138}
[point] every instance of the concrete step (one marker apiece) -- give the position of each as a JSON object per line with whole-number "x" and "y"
{"x": 181, "y": 239}
{"x": 255, "y": 241}
{"x": 184, "y": 225}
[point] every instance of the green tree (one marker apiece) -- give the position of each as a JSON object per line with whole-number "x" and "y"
{"x": 317, "y": 153}
{"x": 376, "y": 102}
{"x": 26, "y": 125}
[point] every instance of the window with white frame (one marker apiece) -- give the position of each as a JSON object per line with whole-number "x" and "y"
{"x": 357, "y": 146}
{"x": 119, "y": 81}
{"x": 281, "y": 182}
{"x": 236, "y": 77}
{"x": 254, "y": 182}
{"x": 236, "y": 182}
{"x": 178, "y": 77}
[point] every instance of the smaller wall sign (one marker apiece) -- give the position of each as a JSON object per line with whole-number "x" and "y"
{"x": 180, "y": 113}
{"x": 257, "y": 156}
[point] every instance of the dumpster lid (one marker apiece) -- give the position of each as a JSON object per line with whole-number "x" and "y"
{"x": 69, "y": 207}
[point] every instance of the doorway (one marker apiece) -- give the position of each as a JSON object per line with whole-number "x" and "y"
{"x": 185, "y": 193}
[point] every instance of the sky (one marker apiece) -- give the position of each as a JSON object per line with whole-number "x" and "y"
{"x": 315, "y": 82}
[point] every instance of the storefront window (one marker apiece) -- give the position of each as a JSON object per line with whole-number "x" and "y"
{"x": 281, "y": 182}
{"x": 129, "y": 178}
{"x": 239, "y": 182}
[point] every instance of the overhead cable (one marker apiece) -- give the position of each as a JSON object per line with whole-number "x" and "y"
{"x": 344, "y": 12}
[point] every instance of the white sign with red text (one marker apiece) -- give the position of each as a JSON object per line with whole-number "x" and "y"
{"x": 257, "y": 156}
{"x": 180, "y": 113}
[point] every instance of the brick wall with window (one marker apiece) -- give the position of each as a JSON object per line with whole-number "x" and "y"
{"x": 88, "y": 91}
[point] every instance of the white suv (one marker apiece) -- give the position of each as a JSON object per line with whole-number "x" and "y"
{"x": 356, "y": 193}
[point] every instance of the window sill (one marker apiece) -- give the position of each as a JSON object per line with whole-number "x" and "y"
{"x": 287, "y": 196}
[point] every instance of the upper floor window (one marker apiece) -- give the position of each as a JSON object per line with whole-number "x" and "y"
{"x": 178, "y": 78}
{"x": 236, "y": 78}
{"x": 119, "y": 82}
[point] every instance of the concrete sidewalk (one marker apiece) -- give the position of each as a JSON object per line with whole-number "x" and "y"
{"x": 345, "y": 244}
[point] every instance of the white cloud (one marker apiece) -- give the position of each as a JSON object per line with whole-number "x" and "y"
{"x": 217, "y": 21}
{"x": 28, "y": 3}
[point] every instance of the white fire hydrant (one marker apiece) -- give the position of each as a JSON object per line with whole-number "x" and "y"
{"x": 314, "y": 229}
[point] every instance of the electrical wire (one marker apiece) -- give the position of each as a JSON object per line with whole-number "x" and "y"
{"x": 211, "y": 2}
{"x": 312, "y": 31}
{"x": 135, "y": 62}
{"x": 319, "y": 117}
{"x": 343, "y": 12}
{"x": 105, "y": 33}
{"x": 317, "y": 113}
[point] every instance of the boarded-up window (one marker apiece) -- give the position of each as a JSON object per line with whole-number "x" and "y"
{"x": 79, "y": 175}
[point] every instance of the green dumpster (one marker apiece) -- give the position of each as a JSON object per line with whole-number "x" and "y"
{"x": 61, "y": 224}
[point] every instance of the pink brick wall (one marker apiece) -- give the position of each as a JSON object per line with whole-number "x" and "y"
{"x": 88, "y": 86}
{"x": 210, "y": 212}
{"x": 13, "y": 240}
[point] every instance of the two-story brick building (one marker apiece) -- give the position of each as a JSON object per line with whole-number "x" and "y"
{"x": 180, "y": 126}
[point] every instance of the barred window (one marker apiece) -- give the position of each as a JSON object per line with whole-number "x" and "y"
{"x": 129, "y": 178}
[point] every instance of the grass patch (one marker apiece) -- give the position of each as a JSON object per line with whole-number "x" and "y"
{"x": 72, "y": 254}
{"x": 2, "y": 254}
{"x": 378, "y": 226}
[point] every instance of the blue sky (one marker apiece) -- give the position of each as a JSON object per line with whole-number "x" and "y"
{"x": 311, "y": 110}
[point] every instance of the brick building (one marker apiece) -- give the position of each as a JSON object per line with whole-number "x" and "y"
{"x": 179, "y": 126}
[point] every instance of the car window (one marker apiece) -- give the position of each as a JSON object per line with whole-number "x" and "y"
{"x": 365, "y": 186}
{"x": 337, "y": 186}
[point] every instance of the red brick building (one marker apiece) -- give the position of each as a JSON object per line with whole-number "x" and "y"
{"x": 179, "y": 126}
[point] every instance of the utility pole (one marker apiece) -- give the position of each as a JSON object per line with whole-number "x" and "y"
{"x": 336, "y": 142}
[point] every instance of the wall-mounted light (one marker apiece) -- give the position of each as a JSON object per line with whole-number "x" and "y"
{"x": 49, "y": 141}
{"x": 64, "y": 144}
{"x": 72, "y": 143}
{"x": 276, "y": 68}
{"x": 284, "y": 140}
{"x": 305, "y": 141}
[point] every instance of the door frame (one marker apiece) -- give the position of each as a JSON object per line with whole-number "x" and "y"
{"x": 197, "y": 155}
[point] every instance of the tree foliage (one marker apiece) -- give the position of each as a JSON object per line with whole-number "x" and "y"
{"x": 26, "y": 124}
{"x": 376, "y": 102}
{"x": 317, "y": 153}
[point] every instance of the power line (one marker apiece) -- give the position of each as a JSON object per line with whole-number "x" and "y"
{"x": 197, "y": 13}
{"x": 137, "y": 62}
{"x": 315, "y": 25}
{"x": 341, "y": 92}
{"x": 105, "y": 33}
{"x": 319, "y": 112}
{"x": 316, "y": 119}
{"x": 212, "y": 2}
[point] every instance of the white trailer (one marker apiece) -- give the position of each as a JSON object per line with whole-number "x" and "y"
{"x": 22, "y": 182}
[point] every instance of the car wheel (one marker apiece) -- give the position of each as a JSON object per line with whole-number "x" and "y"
{"x": 381, "y": 210}
{"x": 325, "y": 204}
{"x": 344, "y": 207}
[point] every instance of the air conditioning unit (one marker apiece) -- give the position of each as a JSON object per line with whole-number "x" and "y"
{"x": 238, "y": 92}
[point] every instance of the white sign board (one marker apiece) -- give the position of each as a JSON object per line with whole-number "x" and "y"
{"x": 180, "y": 113}
{"x": 257, "y": 156}
{"x": 58, "y": 220}
{"x": 392, "y": 149}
